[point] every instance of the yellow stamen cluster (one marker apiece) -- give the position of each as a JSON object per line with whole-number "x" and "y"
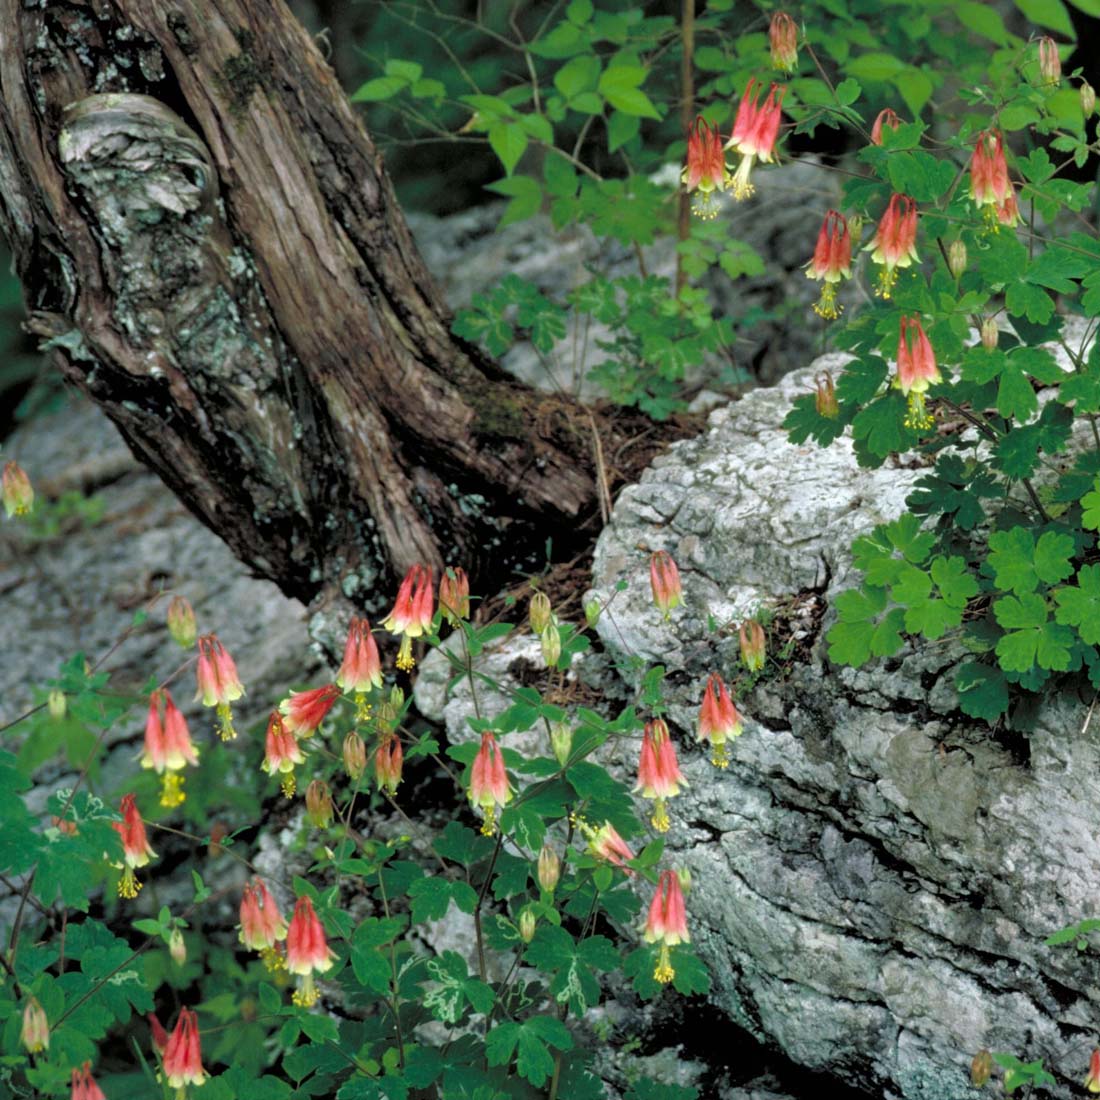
{"x": 273, "y": 959}
{"x": 289, "y": 785}
{"x": 918, "y": 417}
{"x": 171, "y": 790}
{"x": 826, "y": 306}
{"x": 225, "y": 722}
{"x": 489, "y": 825}
{"x": 888, "y": 277}
{"x": 720, "y": 757}
{"x": 663, "y": 971}
{"x": 660, "y": 820}
{"x": 405, "y": 660}
{"x": 306, "y": 995}
{"x": 128, "y": 885}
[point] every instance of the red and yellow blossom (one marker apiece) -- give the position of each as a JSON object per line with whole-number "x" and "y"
{"x": 755, "y": 128}
{"x": 454, "y": 594}
{"x": 219, "y": 684}
{"x": 35, "y": 1032}
{"x": 605, "y": 843}
{"x": 831, "y": 263}
{"x": 705, "y": 172}
{"x": 388, "y": 760}
{"x": 168, "y": 748}
{"x": 304, "y": 711}
{"x": 664, "y": 579}
{"x": 361, "y": 668}
{"x": 753, "y": 646}
{"x": 262, "y": 925}
{"x": 307, "y": 950}
{"x": 666, "y": 922}
{"x": 783, "y": 40}
{"x": 917, "y": 370}
{"x": 489, "y": 787}
{"x": 183, "y": 1053}
{"x": 718, "y": 720}
{"x": 136, "y": 849}
{"x": 83, "y": 1084}
{"x": 16, "y": 490}
{"x": 894, "y": 244}
{"x": 1092, "y": 1081}
{"x": 990, "y": 188}
{"x": 282, "y": 753}
{"x": 886, "y": 117}
{"x": 659, "y": 775}
{"x": 412, "y": 612}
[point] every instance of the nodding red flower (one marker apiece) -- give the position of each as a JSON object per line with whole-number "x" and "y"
{"x": 159, "y": 1035}
{"x": 181, "y": 622}
{"x": 894, "y": 244}
{"x": 84, "y": 1086}
{"x": 753, "y": 647}
{"x": 489, "y": 786}
{"x": 718, "y": 719}
{"x": 168, "y": 747}
{"x": 219, "y": 684}
{"x": 388, "y": 760}
{"x": 832, "y": 262}
{"x": 281, "y": 752}
{"x": 262, "y": 925}
{"x": 16, "y": 490}
{"x": 705, "y": 172}
{"x": 412, "y": 612}
{"x": 783, "y": 39}
{"x": 454, "y": 594}
{"x": 1050, "y": 64}
{"x": 183, "y": 1053}
{"x": 362, "y": 668}
{"x": 1092, "y": 1081}
{"x": 885, "y": 117}
{"x": 307, "y": 950}
{"x": 990, "y": 188}
{"x": 755, "y": 128}
{"x": 659, "y": 775}
{"x": 35, "y": 1033}
{"x": 666, "y": 922}
{"x": 304, "y": 711}
{"x": 917, "y": 370}
{"x": 136, "y": 850}
{"x": 605, "y": 843}
{"x": 664, "y": 579}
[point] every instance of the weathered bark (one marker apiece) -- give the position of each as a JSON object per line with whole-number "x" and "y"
{"x": 208, "y": 239}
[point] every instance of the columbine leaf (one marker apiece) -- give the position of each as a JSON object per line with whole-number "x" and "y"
{"x": 1079, "y": 605}
{"x": 983, "y": 692}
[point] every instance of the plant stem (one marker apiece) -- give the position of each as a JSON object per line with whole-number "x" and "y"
{"x": 481, "y": 968}
{"x": 395, "y": 1006}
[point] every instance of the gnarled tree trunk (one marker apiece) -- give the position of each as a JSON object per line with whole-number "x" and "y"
{"x": 208, "y": 239}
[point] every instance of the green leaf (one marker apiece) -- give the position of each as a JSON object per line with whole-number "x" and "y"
{"x": 564, "y": 40}
{"x": 1031, "y": 639}
{"x": 983, "y": 692}
{"x": 1011, "y": 558}
{"x": 1048, "y": 13}
{"x": 920, "y": 175}
{"x": 880, "y": 428}
{"x": 509, "y": 141}
{"x": 526, "y": 196}
{"x": 858, "y": 636}
{"x": 382, "y": 87}
{"x": 621, "y": 128}
{"x": 1079, "y": 605}
{"x": 579, "y": 74}
{"x": 1090, "y": 503}
{"x": 916, "y": 88}
{"x": 983, "y": 20}
{"x": 803, "y": 422}
{"x": 619, "y": 85}
{"x": 875, "y": 67}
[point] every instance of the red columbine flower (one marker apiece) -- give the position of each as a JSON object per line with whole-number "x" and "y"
{"x": 990, "y": 187}
{"x": 489, "y": 782}
{"x": 136, "y": 850}
{"x": 412, "y": 612}
{"x": 388, "y": 760}
{"x": 35, "y": 1034}
{"x": 1092, "y": 1081}
{"x": 168, "y": 748}
{"x": 718, "y": 719}
{"x": 783, "y": 39}
{"x": 885, "y": 117}
{"x": 454, "y": 594}
{"x": 666, "y": 923}
{"x": 219, "y": 684}
{"x": 304, "y": 711}
{"x": 605, "y": 843}
{"x": 84, "y": 1086}
{"x": 753, "y": 650}
{"x": 281, "y": 752}
{"x": 159, "y": 1035}
{"x": 705, "y": 172}
{"x": 1050, "y": 64}
{"x": 262, "y": 925}
{"x": 15, "y": 488}
{"x": 664, "y": 579}
{"x": 754, "y": 132}
{"x": 894, "y": 244}
{"x": 307, "y": 950}
{"x": 361, "y": 669}
{"x": 183, "y": 1054}
{"x": 832, "y": 262}
{"x": 659, "y": 775}
{"x": 917, "y": 370}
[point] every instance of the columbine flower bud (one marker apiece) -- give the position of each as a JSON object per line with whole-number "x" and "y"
{"x": 176, "y": 947}
{"x": 592, "y": 611}
{"x": 981, "y": 1067}
{"x": 783, "y": 39}
{"x": 181, "y": 622}
{"x": 319, "y": 808}
{"x": 388, "y": 760}
{"x": 454, "y": 595}
{"x": 539, "y": 612}
{"x": 15, "y": 488}
{"x": 355, "y": 756}
{"x": 549, "y": 869}
{"x": 561, "y": 741}
{"x": 35, "y": 1035}
{"x": 56, "y": 704}
{"x": 551, "y": 645}
{"x": 956, "y": 258}
{"x": 886, "y": 117}
{"x": 1088, "y": 98}
{"x": 991, "y": 335}
{"x": 83, "y": 1084}
{"x": 527, "y": 924}
{"x": 753, "y": 646}
{"x": 825, "y": 398}
{"x": 684, "y": 875}
{"x": 1050, "y": 64}
{"x": 664, "y": 579}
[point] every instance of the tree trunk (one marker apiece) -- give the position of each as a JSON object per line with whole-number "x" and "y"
{"x": 208, "y": 240}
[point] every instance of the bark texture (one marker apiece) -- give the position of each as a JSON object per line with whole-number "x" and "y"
{"x": 208, "y": 239}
